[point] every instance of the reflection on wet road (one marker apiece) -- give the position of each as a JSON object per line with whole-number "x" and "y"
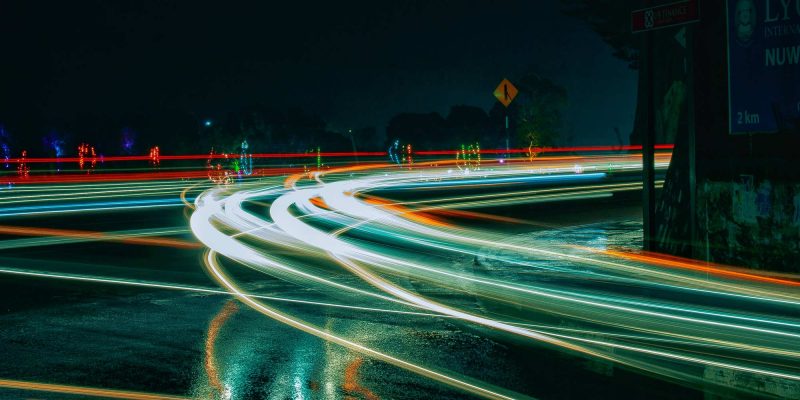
{"x": 379, "y": 282}
{"x": 625, "y": 309}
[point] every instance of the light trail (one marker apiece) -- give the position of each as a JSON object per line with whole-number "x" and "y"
{"x": 700, "y": 267}
{"x": 204, "y": 290}
{"x": 98, "y": 177}
{"x": 203, "y": 157}
{"x": 85, "y": 391}
{"x": 469, "y": 386}
{"x": 146, "y": 238}
{"x": 661, "y": 335}
{"x": 124, "y": 192}
{"x": 88, "y": 207}
{"x": 341, "y": 233}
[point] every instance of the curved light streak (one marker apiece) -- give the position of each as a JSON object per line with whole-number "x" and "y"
{"x": 333, "y": 217}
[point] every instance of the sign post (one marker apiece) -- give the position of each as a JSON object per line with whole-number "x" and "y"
{"x": 505, "y": 94}
{"x": 647, "y": 20}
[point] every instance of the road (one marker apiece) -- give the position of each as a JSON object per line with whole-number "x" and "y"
{"x": 373, "y": 280}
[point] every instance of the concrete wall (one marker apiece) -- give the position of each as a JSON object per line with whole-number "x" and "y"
{"x": 750, "y": 222}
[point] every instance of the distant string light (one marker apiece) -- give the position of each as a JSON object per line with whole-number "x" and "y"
{"x": 23, "y": 170}
{"x": 317, "y": 154}
{"x": 394, "y": 152}
{"x": 217, "y": 171}
{"x": 533, "y": 152}
{"x": 54, "y": 142}
{"x": 245, "y": 159}
{"x": 468, "y": 158}
{"x": 87, "y": 155}
{"x": 6, "y": 154}
{"x": 155, "y": 156}
{"x": 128, "y": 141}
{"x": 4, "y": 146}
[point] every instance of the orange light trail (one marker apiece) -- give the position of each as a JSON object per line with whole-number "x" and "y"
{"x": 413, "y": 215}
{"x": 85, "y": 391}
{"x": 688, "y": 264}
{"x": 660, "y": 335}
{"x": 319, "y": 203}
{"x": 453, "y": 212}
{"x": 81, "y": 234}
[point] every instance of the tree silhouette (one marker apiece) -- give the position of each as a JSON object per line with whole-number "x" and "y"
{"x": 465, "y": 124}
{"x": 538, "y": 110}
{"x": 611, "y": 20}
{"x": 422, "y": 131}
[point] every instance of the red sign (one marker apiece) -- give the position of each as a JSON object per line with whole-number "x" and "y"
{"x": 682, "y": 12}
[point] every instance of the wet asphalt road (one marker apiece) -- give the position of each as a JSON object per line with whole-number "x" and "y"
{"x": 204, "y": 345}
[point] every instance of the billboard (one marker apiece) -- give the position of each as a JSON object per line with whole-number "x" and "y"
{"x": 763, "y": 65}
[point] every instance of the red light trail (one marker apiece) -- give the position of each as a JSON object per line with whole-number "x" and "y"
{"x": 148, "y": 157}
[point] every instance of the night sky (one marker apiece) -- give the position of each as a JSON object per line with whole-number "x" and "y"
{"x": 354, "y": 63}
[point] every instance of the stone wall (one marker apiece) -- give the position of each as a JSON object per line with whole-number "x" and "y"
{"x": 750, "y": 222}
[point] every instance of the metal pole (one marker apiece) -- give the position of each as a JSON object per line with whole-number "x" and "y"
{"x": 694, "y": 249}
{"x": 648, "y": 152}
{"x": 508, "y": 154}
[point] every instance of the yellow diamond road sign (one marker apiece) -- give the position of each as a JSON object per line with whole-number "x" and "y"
{"x": 505, "y": 92}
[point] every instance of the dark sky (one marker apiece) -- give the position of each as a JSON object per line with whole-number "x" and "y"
{"x": 354, "y": 63}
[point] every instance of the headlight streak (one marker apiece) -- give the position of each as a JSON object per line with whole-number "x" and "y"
{"x": 732, "y": 332}
{"x": 89, "y": 207}
{"x": 83, "y": 187}
{"x": 469, "y": 387}
{"x": 85, "y": 391}
{"x": 719, "y": 343}
{"x": 717, "y": 270}
{"x": 49, "y": 199}
{"x": 331, "y": 238}
{"x": 344, "y": 203}
{"x": 449, "y": 201}
{"x": 209, "y": 208}
{"x": 336, "y": 248}
{"x": 104, "y": 193}
{"x": 347, "y": 203}
{"x": 197, "y": 289}
{"x": 563, "y": 295}
{"x": 733, "y": 289}
{"x": 146, "y": 237}
{"x": 212, "y": 291}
